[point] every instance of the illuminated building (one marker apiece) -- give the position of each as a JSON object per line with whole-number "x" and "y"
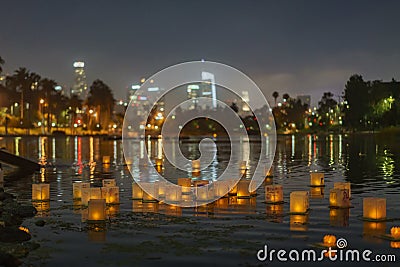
{"x": 80, "y": 87}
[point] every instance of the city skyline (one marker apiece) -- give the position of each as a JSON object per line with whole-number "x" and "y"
{"x": 298, "y": 48}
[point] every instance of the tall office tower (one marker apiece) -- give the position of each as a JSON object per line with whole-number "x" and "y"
{"x": 193, "y": 94}
{"x": 80, "y": 87}
{"x": 209, "y": 89}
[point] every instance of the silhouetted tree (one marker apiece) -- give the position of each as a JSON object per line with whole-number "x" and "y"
{"x": 275, "y": 95}
{"x": 101, "y": 98}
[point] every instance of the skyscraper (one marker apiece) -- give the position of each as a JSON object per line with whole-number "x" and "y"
{"x": 80, "y": 86}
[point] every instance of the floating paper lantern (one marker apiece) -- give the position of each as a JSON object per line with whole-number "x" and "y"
{"x": 243, "y": 189}
{"x": 173, "y": 194}
{"x": 243, "y": 165}
{"x": 204, "y": 193}
{"x": 150, "y": 192}
{"x": 159, "y": 162}
{"x": 395, "y": 232}
{"x": 109, "y": 182}
{"x": 106, "y": 160}
{"x": 317, "y": 179}
{"x": 186, "y": 184}
{"x": 40, "y": 192}
{"x": 137, "y": 192}
{"x": 298, "y": 222}
{"x": 329, "y": 240}
{"x": 299, "y": 202}
{"x": 90, "y": 193}
{"x": 274, "y": 194}
{"x": 221, "y": 189}
{"x": 269, "y": 171}
{"x": 374, "y": 208}
{"x": 339, "y": 198}
{"x": 233, "y": 191}
{"x": 161, "y": 189}
{"x": 77, "y": 189}
{"x": 343, "y": 185}
{"x": 317, "y": 192}
{"x": 110, "y": 194}
{"x": 196, "y": 165}
{"x": 96, "y": 210}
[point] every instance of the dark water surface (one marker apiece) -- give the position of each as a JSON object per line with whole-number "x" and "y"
{"x": 226, "y": 233}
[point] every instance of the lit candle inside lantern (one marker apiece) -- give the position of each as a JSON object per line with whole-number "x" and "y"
{"x": 106, "y": 160}
{"x": 343, "y": 185}
{"x": 196, "y": 165}
{"x": 90, "y": 193}
{"x": 339, "y": 198}
{"x": 159, "y": 162}
{"x": 137, "y": 192}
{"x": 77, "y": 189}
{"x": 243, "y": 165}
{"x": 110, "y": 194}
{"x": 395, "y": 232}
{"x": 109, "y": 182}
{"x": 374, "y": 208}
{"x": 269, "y": 171}
{"x": 161, "y": 189}
{"x": 317, "y": 179}
{"x": 150, "y": 192}
{"x": 204, "y": 193}
{"x": 221, "y": 188}
{"x": 299, "y": 202}
{"x": 186, "y": 184}
{"x": 173, "y": 194}
{"x": 243, "y": 189}
{"x": 274, "y": 193}
{"x": 329, "y": 240}
{"x": 97, "y": 210}
{"x": 40, "y": 192}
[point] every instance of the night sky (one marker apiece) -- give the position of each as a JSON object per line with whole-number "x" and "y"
{"x": 299, "y": 47}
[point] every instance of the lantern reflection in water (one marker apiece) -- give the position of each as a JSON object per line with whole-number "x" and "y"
{"x": 269, "y": 171}
{"x": 339, "y": 198}
{"x": 42, "y": 208}
{"x": 97, "y": 233}
{"x": 96, "y": 210}
{"x": 77, "y": 189}
{"x": 343, "y": 185}
{"x": 274, "y": 194}
{"x": 112, "y": 211}
{"x": 395, "y": 244}
{"x": 242, "y": 205}
{"x": 317, "y": 179}
{"x": 299, "y": 202}
{"x": 373, "y": 229}
{"x": 299, "y": 222}
{"x": 374, "y": 208}
{"x": 317, "y": 192}
{"x": 395, "y": 232}
{"x": 40, "y": 192}
{"x": 186, "y": 184}
{"x": 137, "y": 192}
{"x": 159, "y": 162}
{"x": 196, "y": 165}
{"x": 106, "y": 160}
{"x": 339, "y": 217}
{"x": 171, "y": 210}
{"x": 274, "y": 213}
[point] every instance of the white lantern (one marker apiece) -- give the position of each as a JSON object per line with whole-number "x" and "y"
{"x": 173, "y": 194}
{"x": 90, "y": 193}
{"x": 299, "y": 202}
{"x": 374, "y": 208}
{"x": 77, "y": 189}
{"x": 317, "y": 179}
{"x": 40, "y": 192}
{"x": 110, "y": 194}
{"x": 186, "y": 184}
{"x": 274, "y": 194}
{"x": 343, "y": 185}
{"x": 137, "y": 192}
{"x": 221, "y": 189}
{"x": 339, "y": 198}
{"x": 97, "y": 210}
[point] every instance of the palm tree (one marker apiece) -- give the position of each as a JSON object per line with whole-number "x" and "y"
{"x": 286, "y": 96}
{"x": 48, "y": 93}
{"x": 101, "y": 98}
{"x": 1, "y": 63}
{"x": 275, "y": 95}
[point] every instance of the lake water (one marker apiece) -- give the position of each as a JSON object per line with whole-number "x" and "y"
{"x": 229, "y": 232}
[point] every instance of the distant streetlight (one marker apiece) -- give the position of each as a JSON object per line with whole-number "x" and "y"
{"x": 41, "y": 102}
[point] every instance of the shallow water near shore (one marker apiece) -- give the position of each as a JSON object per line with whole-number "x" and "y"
{"x": 229, "y": 232}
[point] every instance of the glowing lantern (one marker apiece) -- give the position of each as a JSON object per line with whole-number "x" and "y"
{"x": 203, "y": 193}
{"x": 274, "y": 194}
{"x": 243, "y": 165}
{"x": 343, "y": 185}
{"x": 339, "y": 198}
{"x": 109, "y": 182}
{"x": 96, "y": 210}
{"x": 40, "y": 192}
{"x": 233, "y": 191}
{"x": 299, "y": 202}
{"x": 173, "y": 193}
{"x": 374, "y": 208}
{"x": 77, "y": 189}
{"x": 90, "y": 193}
{"x": 112, "y": 211}
{"x": 196, "y": 165}
{"x": 110, "y": 194}
{"x": 106, "y": 160}
{"x": 329, "y": 240}
{"x": 137, "y": 192}
{"x": 161, "y": 189}
{"x": 298, "y": 222}
{"x": 317, "y": 179}
{"x": 186, "y": 184}
{"x": 221, "y": 188}
{"x": 243, "y": 189}
{"x": 395, "y": 244}
{"x": 269, "y": 171}
{"x": 395, "y": 232}
{"x": 159, "y": 162}
{"x": 150, "y": 192}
